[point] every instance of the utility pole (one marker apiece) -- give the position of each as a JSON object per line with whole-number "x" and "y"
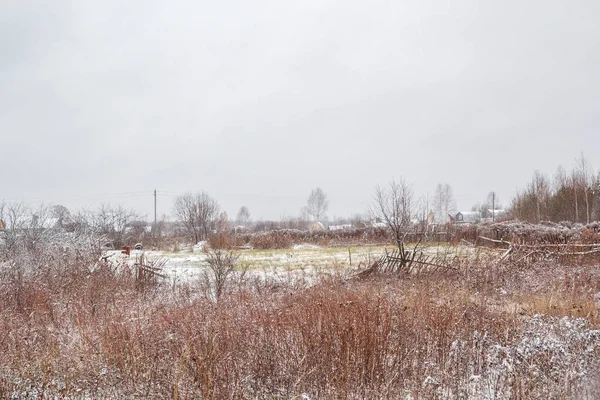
{"x": 154, "y": 228}
{"x": 493, "y": 207}
{"x": 425, "y": 210}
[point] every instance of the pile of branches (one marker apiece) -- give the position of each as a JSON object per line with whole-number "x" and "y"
{"x": 525, "y": 253}
{"x": 411, "y": 261}
{"x": 527, "y": 233}
{"x": 148, "y": 270}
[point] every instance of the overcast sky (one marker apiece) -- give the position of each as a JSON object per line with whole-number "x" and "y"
{"x": 258, "y": 102}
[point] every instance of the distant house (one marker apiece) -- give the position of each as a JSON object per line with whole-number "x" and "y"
{"x": 468, "y": 217}
{"x": 380, "y": 225}
{"x": 495, "y": 215}
{"x": 339, "y": 227}
{"x": 239, "y": 229}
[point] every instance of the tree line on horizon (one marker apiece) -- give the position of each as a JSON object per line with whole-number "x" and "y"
{"x": 568, "y": 196}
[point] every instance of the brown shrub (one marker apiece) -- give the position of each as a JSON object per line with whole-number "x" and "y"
{"x": 428, "y": 336}
{"x": 271, "y": 241}
{"x": 589, "y": 236}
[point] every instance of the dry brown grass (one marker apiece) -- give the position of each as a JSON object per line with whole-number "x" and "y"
{"x": 98, "y": 334}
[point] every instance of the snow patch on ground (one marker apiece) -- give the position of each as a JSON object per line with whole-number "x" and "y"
{"x": 302, "y": 246}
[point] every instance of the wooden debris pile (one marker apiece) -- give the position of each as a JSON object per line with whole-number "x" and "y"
{"x": 519, "y": 253}
{"x": 402, "y": 261}
{"x": 149, "y": 269}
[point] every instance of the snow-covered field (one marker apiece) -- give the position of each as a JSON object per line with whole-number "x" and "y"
{"x": 302, "y": 260}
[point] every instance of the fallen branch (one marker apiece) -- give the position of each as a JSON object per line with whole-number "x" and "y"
{"x": 435, "y": 264}
{"x": 506, "y": 253}
{"x": 502, "y": 241}
{"x": 579, "y": 253}
{"x": 146, "y": 269}
{"x": 526, "y": 256}
{"x": 559, "y": 245}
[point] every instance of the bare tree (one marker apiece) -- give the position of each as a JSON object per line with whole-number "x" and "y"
{"x": 394, "y": 205}
{"x": 13, "y": 217}
{"x": 572, "y": 196}
{"x": 583, "y": 182}
{"x": 359, "y": 220}
{"x": 63, "y": 216}
{"x": 492, "y": 203}
{"x": 564, "y": 203}
{"x": 443, "y": 202}
{"x": 159, "y": 232}
{"x": 114, "y": 223}
{"x": 317, "y": 203}
{"x": 33, "y": 235}
{"x": 304, "y": 215}
{"x": 221, "y": 265}
{"x": 595, "y": 192}
{"x": 222, "y": 223}
{"x": 199, "y": 213}
{"x": 533, "y": 203}
{"x": 243, "y": 216}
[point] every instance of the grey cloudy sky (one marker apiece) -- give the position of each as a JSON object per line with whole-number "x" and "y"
{"x": 258, "y": 102}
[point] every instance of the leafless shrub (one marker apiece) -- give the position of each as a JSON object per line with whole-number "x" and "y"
{"x": 221, "y": 265}
{"x": 473, "y": 333}
{"x": 285, "y": 238}
{"x": 271, "y": 240}
{"x": 114, "y": 223}
{"x": 226, "y": 241}
{"x": 199, "y": 213}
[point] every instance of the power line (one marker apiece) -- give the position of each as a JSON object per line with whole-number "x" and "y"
{"x": 87, "y": 197}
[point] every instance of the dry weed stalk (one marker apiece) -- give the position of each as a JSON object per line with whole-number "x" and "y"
{"x": 465, "y": 333}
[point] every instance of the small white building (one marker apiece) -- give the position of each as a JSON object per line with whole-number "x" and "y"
{"x": 379, "y": 225}
{"x": 343, "y": 227}
{"x": 495, "y": 215}
{"x": 468, "y": 217}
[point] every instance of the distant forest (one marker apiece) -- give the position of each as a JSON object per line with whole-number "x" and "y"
{"x": 569, "y": 196}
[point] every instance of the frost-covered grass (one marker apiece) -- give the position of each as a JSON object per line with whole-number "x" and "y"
{"x": 484, "y": 331}
{"x": 305, "y": 260}
{"x": 301, "y": 259}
